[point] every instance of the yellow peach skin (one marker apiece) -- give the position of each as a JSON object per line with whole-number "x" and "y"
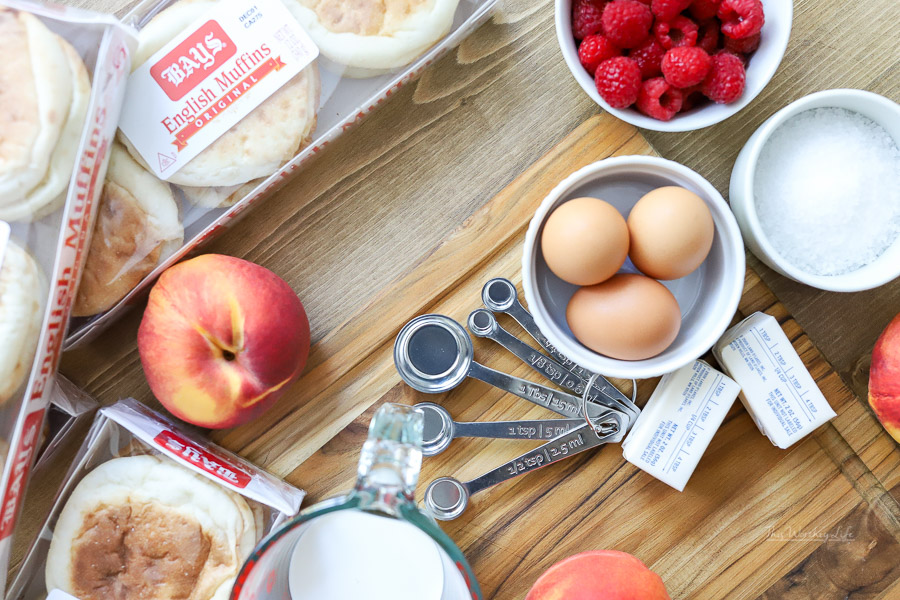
{"x": 884, "y": 379}
{"x": 221, "y": 339}
{"x": 599, "y": 575}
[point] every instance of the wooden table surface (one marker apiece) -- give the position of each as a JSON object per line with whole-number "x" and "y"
{"x": 377, "y": 202}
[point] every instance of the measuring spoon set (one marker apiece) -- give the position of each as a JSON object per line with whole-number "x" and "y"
{"x": 434, "y": 354}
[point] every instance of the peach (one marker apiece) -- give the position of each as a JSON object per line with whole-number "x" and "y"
{"x": 599, "y": 575}
{"x": 884, "y": 378}
{"x": 221, "y": 339}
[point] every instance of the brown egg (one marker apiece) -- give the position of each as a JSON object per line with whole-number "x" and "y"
{"x": 671, "y": 232}
{"x": 585, "y": 241}
{"x": 629, "y": 317}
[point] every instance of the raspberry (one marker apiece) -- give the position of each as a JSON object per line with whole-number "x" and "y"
{"x": 745, "y": 45}
{"x": 618, "y": 81}
{"x": 627, "y": 22}
{"x": 692, "y": 98}
{"x": 586, "y": 18}
{"x": 704, "y": 9}
{"x": 649, "y": 57}
{"x": 726, "y": 79}
{"x": 666, "y": 10}
{"x": 686, "y": 66}
{"x": 680, "y": 31}
{"x": 741, "y": 18}
{"x": 708, "y": 36}
{"x": 594, "y": 50}
{"x": 647, "y": 2}
{"x": 659, "y": 100}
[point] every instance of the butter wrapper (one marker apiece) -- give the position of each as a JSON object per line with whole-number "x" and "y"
{"x": 674, "y": 429}
{"x": 776, "y": 389}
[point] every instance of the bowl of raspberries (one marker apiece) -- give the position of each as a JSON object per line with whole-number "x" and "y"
{"x": 673, "y": 65}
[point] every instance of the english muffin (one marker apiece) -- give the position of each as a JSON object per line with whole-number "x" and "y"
{"x": 49, "y": 194}
{"x": 22, "y": 291}
{"x": 218, "y": 197}
{"x": 363, "y": 38}
{"x": 258, "y": 144}
{"x": 35, "y": 95}
{"x": 146, "y": 528}
{"x": 137, "y": 227}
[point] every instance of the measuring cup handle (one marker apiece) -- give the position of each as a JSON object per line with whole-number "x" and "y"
{"x": 391, "y": 458}
{"x": 576, "y": 441}
{"x": 547, "y": 367}
{"x": 524, "y": 318}
{"x": 560, "y": 403}
{"x": 544, "y": 429}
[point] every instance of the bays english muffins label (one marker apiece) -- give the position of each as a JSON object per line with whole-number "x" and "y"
{"x": 209, "y": 77}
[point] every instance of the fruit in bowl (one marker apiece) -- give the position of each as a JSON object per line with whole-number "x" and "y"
{"x": 665, "y": 57}
{"x": 221, "y": 340}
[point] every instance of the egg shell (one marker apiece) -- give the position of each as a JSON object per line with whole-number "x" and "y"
{"x": 671, "y": 231}
{"x": 585, "y": 241}
{"x": 627, "y": 317}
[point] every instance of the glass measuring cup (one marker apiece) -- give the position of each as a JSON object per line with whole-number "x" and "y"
{"x": 372, "y": 542}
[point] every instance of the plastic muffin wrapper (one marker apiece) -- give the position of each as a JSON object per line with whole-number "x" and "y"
{"x": 67, "y": 420}
{"x": 127, "y": 429}
{"x": 347, "y": 95}
{"x": 45, "y": 248}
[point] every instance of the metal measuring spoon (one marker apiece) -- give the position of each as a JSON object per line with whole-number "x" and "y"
{"x": 441, "y": 429}
{"x": 500, "y": 295}
{"x": 447, "y": 497}
{"x": 434, "y": 354}
{"x": 484, "y": 324}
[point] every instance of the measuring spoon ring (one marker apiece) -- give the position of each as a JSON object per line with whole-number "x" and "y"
{"x": 500, "y": 295}
{"x": 483, "y": 323}
{"x": 440, "y": 429}
{"x": 434, "y": 354}
{"x": 447, "y": 497}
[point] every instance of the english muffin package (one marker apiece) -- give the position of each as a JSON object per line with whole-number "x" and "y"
{"x": 226, "y": 100}
{"x": 151, "y": 510}
{"x": 62, "y": 81}
{"x": 67, "y": 420}
{"x": 69, "y": 406}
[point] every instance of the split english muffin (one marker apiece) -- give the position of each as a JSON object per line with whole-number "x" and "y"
{"x": 372, "y": 37}
{"x": 261, "y": 142}
{"x": 143, "y": 527}
{"x": 137, "y": 227}
{"x": 22, "y": 289}
{"x": 44, "y": 95}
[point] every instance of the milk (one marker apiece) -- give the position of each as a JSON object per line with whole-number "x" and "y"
{"x": 351, "y": 555}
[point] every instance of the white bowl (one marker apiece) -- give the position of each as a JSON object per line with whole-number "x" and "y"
{"x": 708, "y": 297}
{"x": 743, "y": 200}
{"x": 763, "y": 64}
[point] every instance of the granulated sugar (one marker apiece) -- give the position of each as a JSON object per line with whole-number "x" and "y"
{"x": 827, "y": 190}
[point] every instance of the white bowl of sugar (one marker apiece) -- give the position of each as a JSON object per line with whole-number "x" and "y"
{"x": 816, "y": 191}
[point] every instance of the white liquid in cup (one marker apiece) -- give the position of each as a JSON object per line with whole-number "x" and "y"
{"x": 351, "y": 555}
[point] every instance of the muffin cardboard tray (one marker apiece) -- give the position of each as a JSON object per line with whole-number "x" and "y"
{"x": 128, "y": 428}
{"x": 58, "y": 242}
{"x": 344, "y": 102}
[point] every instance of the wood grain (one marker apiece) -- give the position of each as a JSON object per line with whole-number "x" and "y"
{"x": 380, "y": 200}
{"x": 748, "y": 521}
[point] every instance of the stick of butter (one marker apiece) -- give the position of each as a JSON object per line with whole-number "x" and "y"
{"x": 680, "y": 419}
{"x": 776, "y": 389}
